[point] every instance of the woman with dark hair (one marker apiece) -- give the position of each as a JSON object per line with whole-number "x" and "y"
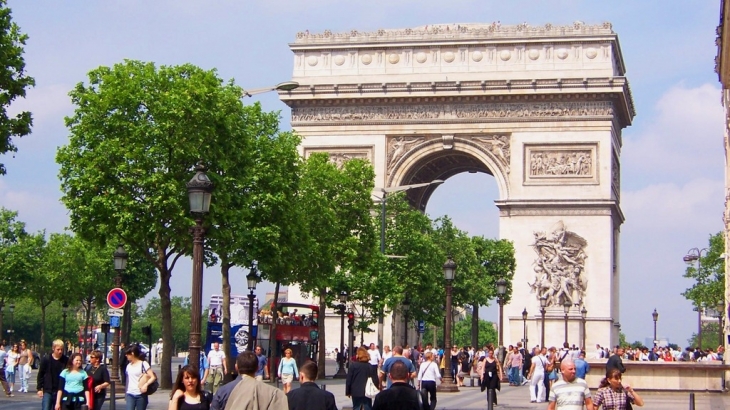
{"x": 491, "y": 376}
{"x": 612, "y": 395}
{"x": 187, "y": 393}
{"x": 72, "y": 389}
{"x": 357, "y": 378}
{"x": 100, "y": 378}
{"x": 135, "y": 397}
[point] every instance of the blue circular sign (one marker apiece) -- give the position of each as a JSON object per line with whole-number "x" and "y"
{"x": 116, "y": 298}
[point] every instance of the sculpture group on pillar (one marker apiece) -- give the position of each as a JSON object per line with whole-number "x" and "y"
{"x": 560, "y": 266}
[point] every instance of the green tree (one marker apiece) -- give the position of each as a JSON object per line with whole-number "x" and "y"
{"x": 708, "y": 291}
{"x": 136, "y": 132}
{"x": 152, "y": 313}
{"x": 711, "y": 337}
{"x": 462, "y": 332}
{"x": 13, "y": 82}
{"x": 12, "y": 267}
{"x": 335, "y": 204}
{"x": 27, "y": 321}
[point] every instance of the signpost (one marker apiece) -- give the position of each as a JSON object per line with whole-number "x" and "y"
{"x": 116, "y": 298}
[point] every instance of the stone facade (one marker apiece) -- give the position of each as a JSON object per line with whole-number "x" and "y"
{"x": 540, "y": 108}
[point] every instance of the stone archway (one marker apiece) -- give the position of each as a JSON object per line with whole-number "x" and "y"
{"x": 541, "y": 108}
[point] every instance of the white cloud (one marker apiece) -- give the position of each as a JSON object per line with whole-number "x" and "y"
{"x": 39, "y": 210}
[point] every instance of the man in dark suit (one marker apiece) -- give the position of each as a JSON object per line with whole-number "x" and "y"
{"x": 615, "y": 361}
{"x": 309, "y": 396}
{"x": 400, "y": 395}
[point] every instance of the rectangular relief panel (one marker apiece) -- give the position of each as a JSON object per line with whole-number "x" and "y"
{"x": 340, "y": 154}
{"x": 561, "y": 164}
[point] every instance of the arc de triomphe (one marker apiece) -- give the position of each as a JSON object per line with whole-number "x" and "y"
{"x": 540, "y": 108}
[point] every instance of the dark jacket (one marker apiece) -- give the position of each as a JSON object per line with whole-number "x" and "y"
{"x": 49, "y": 373}
{"x": 310, "y": 397}
{"x": 357, "y": 378}
{"x": 400, "y": 396}
{"x": 615, "y": 362}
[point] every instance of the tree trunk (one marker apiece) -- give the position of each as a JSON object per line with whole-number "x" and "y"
{"x": 166, "y": 307}
{"x": 43, "y": 328}
{"x": 226, "y": 312}
{"x": 126, "y": 328}
{"x": 475, "y": 326}
{"x": 320, "y": 335}
{"x": 272, "y": 332}
{"x": 87, "y": 317}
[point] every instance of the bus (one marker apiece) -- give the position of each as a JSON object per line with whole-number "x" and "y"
{"x": 296, "y": 329}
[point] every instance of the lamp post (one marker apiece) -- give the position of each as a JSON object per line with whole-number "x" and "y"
{"x": 341, "y": 360}
{"x": 64, "y": 308}
{"x": 120, "y": 264}
{"x": 449, "y": 271}
{"x": 543, "y": 305}
{"x": 285, "y": 86}
{"x": 383, "y": 200}
{"x": 405, "y": 306}
{"x": 695, "y": 255}
{"x": 252, "y": 279}
{"x": 655, "y": 317}
{"x": 199, "y": 194}
{"x": 501, "y": 290}
{"x": 524, "y": 327}
{"x": 566, "y": 309}
{"x": 584, "y": 315}
{"x": 720, "y": 315}
{"x": 11, "y": 309}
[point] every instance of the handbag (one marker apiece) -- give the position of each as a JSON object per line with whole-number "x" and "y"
{"x": 152, "y": 388}
{"x": 370, "y": 389}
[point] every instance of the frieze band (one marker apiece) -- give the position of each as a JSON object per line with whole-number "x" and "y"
{"x": 453, "y": 111}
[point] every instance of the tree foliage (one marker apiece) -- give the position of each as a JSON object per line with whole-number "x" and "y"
{"x": 708, "y": 291}
{"x": 462, "y": 330}
{"x": 12, "y": 232}
{"x": 13, "y": 82}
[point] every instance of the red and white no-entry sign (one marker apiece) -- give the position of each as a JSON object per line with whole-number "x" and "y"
{"x": 116, "y": 298}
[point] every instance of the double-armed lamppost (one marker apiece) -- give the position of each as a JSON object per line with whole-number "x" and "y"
{"x": 252, "y": 279}
{"x": 449, "y": 272}
{"x": 341, "y": 309}
{"x": 501, "y": 291}
{"x": 655, "y": 317}
{"x": 543, "y": 305}
{"x": 120, "y": 264}
{"x": 524, "y": 327}
{"x": 584, "y": 315}
{"x": 695, "y": 255}
{"x": 200, "y": 190}
{"x": 566, "y": 309}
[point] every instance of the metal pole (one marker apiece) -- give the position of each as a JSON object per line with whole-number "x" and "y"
{"x": 524, "y": 332}
{"x": 719, "y": 327}
{"x": 699, "y": 325}
{"x": 250, "y": 320}
{"x": 340, "y": 363}
{"x": 584, "y": 334}
{"x": 448, "y": 382}
{"x": 63, "y": 337}
{"x": 566, "y": 328}
{"x": 655, "y": 332}
{"x": 405, "y": 328}
{"x": 115, "y": 380}
{"x": 501, "y": 321}
{"x": 542, "y": 336}
{"x": 197, "y": 295}
{"x": 381, "y": 315}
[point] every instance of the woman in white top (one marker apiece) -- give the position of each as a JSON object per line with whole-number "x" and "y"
{"x": 136, "y": 398}
{"x": 11, "y": 362}
{"x": 428, "y": 373}
{"x": 537, "y": 375}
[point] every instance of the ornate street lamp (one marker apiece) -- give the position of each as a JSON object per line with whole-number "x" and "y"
{"x": 501, "y": 290}
{"x": 449, "y": 271}
{"x": 200, "y": 190}
{"x": 341, "y": 374}
{"x": 524, "y": 327}
{"x": 695, "y": 255}
{"x": 64, "y": 308}
{"x": 252, "y": 279}
{"x": 655, "y": 317}
{"x": 543, "y": 305}
{"x": 120, "y": 264}
{"x": 584, "y": 315}
{"x": 405, "y": 306}
{"x": 566, "y": 309}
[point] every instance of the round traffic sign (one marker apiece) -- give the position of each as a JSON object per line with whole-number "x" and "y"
{"x": 116, "y": 298}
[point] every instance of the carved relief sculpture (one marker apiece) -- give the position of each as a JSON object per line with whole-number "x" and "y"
{"x": 499, "y": 146}
{"x": 560, "y": 266}
{"x": 555, "y": 163}
{"x": 398, "y": 147}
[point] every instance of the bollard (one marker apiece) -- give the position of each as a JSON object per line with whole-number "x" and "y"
{"x": 490, "y": 399}
{"x": 691, "y": 401}
{"x": 323, "y": 387}
{"x": 113, "y": 396}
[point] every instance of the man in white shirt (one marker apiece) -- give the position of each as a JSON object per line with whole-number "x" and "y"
{"x": 387, "y": 354}
{"x": 599, "y": 352}
{"x": 375, "y": 358}
{"x": 217, "y": 367}
{"x": 159, "y": 351}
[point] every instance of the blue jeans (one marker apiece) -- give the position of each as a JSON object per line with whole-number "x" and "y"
{"x": 49, "y": 401}
{"x": 514, "y": 375}
{"x": 136, "y": 402}
{"x": 362, "y": 403}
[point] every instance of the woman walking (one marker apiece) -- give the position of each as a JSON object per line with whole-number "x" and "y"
{"x": 427, "y": 376}
{"x": 357, "y": 378}
{"x": 287, "y": 370}
{"x": 24, "y": 366}
{"x": 11, "y": 364}
{"x": 187, "y": 393}
{"x": 100, "y": 379}
{"x": 490, "y": 378}
{"x": 136, "y": 383}
{"x": 72, "y": 389}
{"x": 613, "y": 396}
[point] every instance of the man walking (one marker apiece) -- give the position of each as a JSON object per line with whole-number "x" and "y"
{"x": 251, "y": 394}
{"x": 49, "y": 372}
{"x": 309, "y": 396}
{"x": 616, "y": 361}
{"x": 515, "y": 370}
{"x": 400, "y": 395}
{"x": 375, "y": 358}
{"x": 581, "y": 366}
{"x": 570, "y": 393}
{"x": 217, "y": 367}
{"x": 263, "y": 367}
{"x": 397, "y": 358}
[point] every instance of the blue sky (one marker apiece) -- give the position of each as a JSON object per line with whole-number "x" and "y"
{"x": 672, "y": 162}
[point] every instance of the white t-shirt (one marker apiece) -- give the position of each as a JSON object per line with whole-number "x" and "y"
{"x": 374, "y": 356}
{"x": 539, "y": 362}
{"x": 134, "y": 373}
{"x": 215, "y": 358}
{"x": 429, "y": 371}
{"x": 387, "y": 356}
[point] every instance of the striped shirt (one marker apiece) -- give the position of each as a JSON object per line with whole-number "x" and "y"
{"x": 569, "y": 396}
